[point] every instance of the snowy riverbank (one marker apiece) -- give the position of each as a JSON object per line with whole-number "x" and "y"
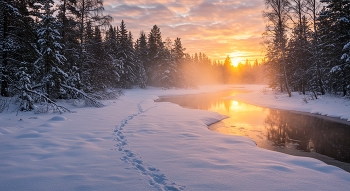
{"x": 136, "y": 144}
{"x": 328, "y": 105}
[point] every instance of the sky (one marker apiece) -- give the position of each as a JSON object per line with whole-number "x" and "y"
{"x": 217, "y": 28}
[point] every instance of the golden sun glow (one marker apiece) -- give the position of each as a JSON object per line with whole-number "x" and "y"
{"x": 236, "y": 57}
{"x": 216, "y": 28}
{"x": 235, "y": 106}
{"x": 234, "y": 102}
{"x": 235, "y": 61}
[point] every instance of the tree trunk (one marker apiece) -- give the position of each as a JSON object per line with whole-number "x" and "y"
{"x": 282, "y": 44}
{"x": 321, "y": 86}
{"x": 286, "y": 77}
{"x": 301, "y": 87}
{"x": 281, "y": 85}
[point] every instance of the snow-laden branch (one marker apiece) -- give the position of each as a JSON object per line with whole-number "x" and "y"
{"x": 88, "y": 100}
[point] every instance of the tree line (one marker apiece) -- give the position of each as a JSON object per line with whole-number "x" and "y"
{"x": 247, "y": 73}
{"x": 307, "y": 46}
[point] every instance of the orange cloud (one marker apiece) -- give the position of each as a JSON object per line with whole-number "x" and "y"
{"x": 216, "y": 27}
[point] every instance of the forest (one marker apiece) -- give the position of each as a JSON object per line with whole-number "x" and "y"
{"x": 307, "y": 46}
{"x": 68, "y": 49}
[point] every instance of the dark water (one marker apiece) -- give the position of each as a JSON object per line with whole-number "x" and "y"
{"x": 289, "y": 132}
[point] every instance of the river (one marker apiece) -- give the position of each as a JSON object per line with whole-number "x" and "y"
{"x": 293, "y": 133}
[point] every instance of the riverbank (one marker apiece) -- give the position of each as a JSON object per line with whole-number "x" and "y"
{"x": 338, "y": 108}
{"x": 134, "y": 143}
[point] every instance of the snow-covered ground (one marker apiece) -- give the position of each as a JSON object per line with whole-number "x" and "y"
{"x": 135, "y": 143}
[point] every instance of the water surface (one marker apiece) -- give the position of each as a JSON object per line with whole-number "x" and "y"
{"x": 289, "y": 132}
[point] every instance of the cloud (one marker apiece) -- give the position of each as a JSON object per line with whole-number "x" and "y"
{"x": 215, "y": 27}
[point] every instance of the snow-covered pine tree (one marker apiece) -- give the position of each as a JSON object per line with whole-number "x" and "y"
{"x": 178, "y": 51}
{"x": 299, "y": 56}
{"x": 3, "y": 6}
{"x": 97, "y": 57}
{"x": 346, "y": 19}
{"x": 50, "y": 76}
{"x": 335, "y": 27}
{"x": 186, "y": 72}
{"x": 87, "y": 12}
{"x": 17, "y": 43}
{"x": 86, "y": 58}
{"x": 110, "y": 41}
{"x": 161, "y": 67}
{"x": 166, "y": 74}
{"x": 141, "y": 57}
{"x": 346, "y": 58}
{"x": 24, "y": 85}
{"x": 126, "y": 58}
{"x": 111, "y": 75}
{"x": 155, "y": 44}
{"x": 65, "y": 16}
{"x": 346, "y": 69}
{"x": 70, "y": 39}
{"x": 316, "y": 70}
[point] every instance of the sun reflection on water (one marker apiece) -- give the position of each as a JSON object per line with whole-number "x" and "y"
{"x": 243, "y": 119}
{"x": 271, "y": 129}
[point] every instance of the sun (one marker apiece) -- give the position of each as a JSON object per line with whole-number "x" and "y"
{"x": 235, "y": 61}
{"x": 236, "y": 57}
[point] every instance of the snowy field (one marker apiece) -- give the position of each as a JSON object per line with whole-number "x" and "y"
{"x": 137, "y": 144}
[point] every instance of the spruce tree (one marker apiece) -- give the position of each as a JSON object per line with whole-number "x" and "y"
{"x": 155, "y": 44}
{"x": 87, "y": 14}
{"x": 6, "y": 10}
{"x": 187, "y": 73}
{"x": 141, "y": 57}
{"x": 50, "y": 76}
{"x": 167, "y": 74}
{"x": 334, "y": 27}
{"x": 316, "y": 70}
{"x": 111, "y": 70}
{"x": 18, "y": 43}
{"x": 126, "y": 58}
{"x": 299, "y": 57}
{"x": 161, "y": 67}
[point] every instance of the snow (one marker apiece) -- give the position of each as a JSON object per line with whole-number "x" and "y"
{"x": 346, "y": 46}
{"x": 331, "y": 106}
{"x": 134, "y": 143}
{"x": 58, "y": 118}
{"x": 335, "y": 69}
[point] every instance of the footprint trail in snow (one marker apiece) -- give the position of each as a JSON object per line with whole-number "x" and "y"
{"x": 156, "y": 179}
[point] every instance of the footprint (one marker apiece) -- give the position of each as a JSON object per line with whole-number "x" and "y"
{"x": 156, "y": 178}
